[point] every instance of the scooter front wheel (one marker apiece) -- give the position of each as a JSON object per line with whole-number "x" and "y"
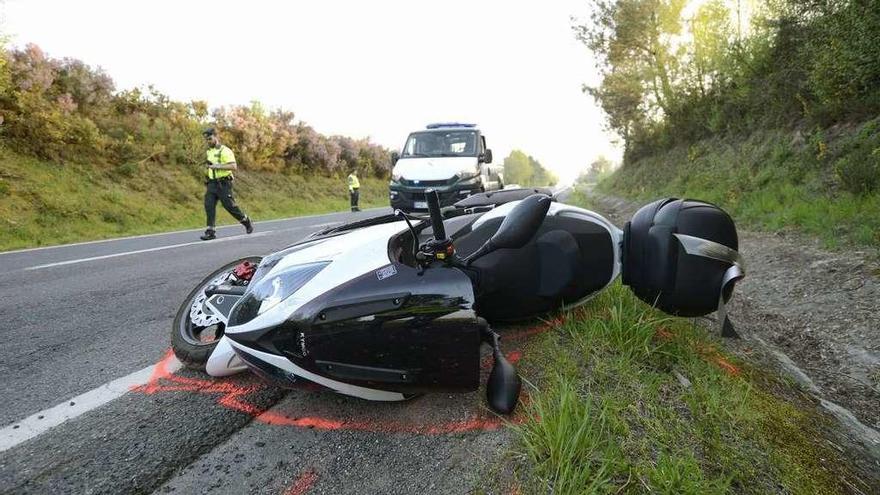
{"x": 195, "y": 332}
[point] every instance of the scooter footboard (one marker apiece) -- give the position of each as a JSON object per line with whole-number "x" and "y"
{"x": 680, "y": 255}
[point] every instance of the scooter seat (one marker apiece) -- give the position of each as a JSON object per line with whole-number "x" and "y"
{"x": 559, "y": 260}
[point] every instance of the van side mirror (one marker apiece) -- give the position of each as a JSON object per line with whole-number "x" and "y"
{"x": 394, "y": 157}
{"x": 486, "y": 156}
{"x": 518, "y": 227}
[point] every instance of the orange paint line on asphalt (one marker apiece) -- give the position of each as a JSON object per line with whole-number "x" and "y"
{"x": 476, "y": 424}
{"x": 303, "y": 483}
{"x": 159, "y": 371}
{"x": 232, "y": 397}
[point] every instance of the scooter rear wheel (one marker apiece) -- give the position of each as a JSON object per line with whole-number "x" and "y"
{"x": 194, "y": 333}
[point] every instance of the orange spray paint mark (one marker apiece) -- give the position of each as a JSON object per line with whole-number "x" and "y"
{"x": 303, "y": 483}
{"x": 527, "y": 332}
{"x": 233, "y": 396}
{"x": 515, "y": 489}
{"x": 726, "y": 365}
{"x": 513, "y": 357}
{"x": 708, "y": 353}
{"x": 444, "y": 428}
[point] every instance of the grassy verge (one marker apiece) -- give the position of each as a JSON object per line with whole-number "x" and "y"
{"x": 825, "y": 182}
{"x": 627, "y": 400}
{"x": 43, "y": 203}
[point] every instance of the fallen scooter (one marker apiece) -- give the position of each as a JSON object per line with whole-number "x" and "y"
{"x": 395, "y": 306}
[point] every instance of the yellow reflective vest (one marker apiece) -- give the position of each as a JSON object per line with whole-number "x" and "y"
{"x": 353, "y": 183}
{"x": 219, "y": 155}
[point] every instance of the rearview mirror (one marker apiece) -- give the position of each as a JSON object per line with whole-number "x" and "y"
{"x": 486, "y": 156}
{"x": 518, "y": 227}
{"x": 394, "y": 157}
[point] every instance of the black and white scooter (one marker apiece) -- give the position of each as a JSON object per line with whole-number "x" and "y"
{"x": 394, "y": 306}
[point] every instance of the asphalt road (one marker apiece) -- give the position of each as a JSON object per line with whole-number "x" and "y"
{"x": 75, "y": 318}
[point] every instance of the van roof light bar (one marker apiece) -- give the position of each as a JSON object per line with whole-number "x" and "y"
{"x": 438, "y": 125}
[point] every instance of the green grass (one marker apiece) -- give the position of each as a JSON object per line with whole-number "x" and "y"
{"x": 826, "y": 184}
{"x": 607, "y": 413}
{"x": 43, "y": 203}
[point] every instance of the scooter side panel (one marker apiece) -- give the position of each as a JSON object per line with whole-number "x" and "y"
{"x": 394, "y": 329}
{"x": 223, "y": 360}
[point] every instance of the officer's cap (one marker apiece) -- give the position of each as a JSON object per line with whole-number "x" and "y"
{"x": 210, "y": 131}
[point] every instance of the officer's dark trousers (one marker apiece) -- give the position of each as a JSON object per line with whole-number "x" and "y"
{"x": 355, "y": 195}
{"x": 221, "y": 190}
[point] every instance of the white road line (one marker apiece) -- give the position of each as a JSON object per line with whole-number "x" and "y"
{"x": 37, "y": 424}
{"x": 142, "y": 236}
{"x": 184, "y": 244}
{"x": 139, "y": 251}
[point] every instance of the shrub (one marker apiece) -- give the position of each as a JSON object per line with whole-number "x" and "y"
{"x": 64, "y": 110}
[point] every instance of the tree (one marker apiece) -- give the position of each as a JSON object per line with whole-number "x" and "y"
{"x": 4, "y": 70}
{"x": 597, "y": 168}
{"x": 517, "y": 169}
{"x": 621, "y": 96}
{"x": 525, "y": 170}
{"x": 712, "y": 35}
{"x": 540, "y": 175}
{"x": 634, "y": 38}
{"x": 65, "y": 110}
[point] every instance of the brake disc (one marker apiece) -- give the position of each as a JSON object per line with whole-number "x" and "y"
{"x": 202, "y": 315}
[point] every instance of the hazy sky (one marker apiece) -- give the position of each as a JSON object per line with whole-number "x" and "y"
{"x": 358, "y": 68}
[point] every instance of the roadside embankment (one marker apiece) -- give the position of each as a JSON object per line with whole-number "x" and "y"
{"x": 822, "y": 182}
{"x": 807, "y": 314}
{"x": 622, "y": 398}
{"x": 44, "y": 203}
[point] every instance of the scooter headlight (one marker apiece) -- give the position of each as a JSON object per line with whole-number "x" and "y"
{"x": 271, "y": 290}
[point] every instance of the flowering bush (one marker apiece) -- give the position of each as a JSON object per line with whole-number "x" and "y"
{"x": 64, "y": 110}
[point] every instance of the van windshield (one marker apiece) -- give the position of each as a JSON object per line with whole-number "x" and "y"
{"x": 441, "y": 143}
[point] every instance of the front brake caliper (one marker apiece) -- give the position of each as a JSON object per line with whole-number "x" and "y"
{"x": 244, "y": 271}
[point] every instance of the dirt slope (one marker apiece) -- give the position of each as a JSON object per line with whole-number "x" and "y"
{"x": 813, "y": 314}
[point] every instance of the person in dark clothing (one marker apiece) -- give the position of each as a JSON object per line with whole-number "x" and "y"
{"x": 218, "y": 179}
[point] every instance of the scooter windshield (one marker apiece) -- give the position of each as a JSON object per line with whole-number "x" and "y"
{"x": 273, "y": 289}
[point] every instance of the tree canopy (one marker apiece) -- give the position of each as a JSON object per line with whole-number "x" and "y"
{"x": 676, "y": 71}
{"x": 525, "y": 170}
{"x": 65, "y": 110}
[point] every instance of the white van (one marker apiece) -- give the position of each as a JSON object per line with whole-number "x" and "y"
{"x": 451, "y": 158}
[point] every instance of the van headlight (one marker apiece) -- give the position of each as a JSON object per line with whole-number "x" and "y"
{"x": 271, "y": 290}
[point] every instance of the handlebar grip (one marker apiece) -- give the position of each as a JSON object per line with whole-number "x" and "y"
{"x": 436, "y": 217}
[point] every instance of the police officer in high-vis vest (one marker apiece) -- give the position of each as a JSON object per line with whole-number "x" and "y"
{"x": 218, "y": 172}
{"x": 354, "y": 188}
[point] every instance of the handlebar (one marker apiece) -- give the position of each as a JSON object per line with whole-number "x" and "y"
{"x": 436, "y": 217}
